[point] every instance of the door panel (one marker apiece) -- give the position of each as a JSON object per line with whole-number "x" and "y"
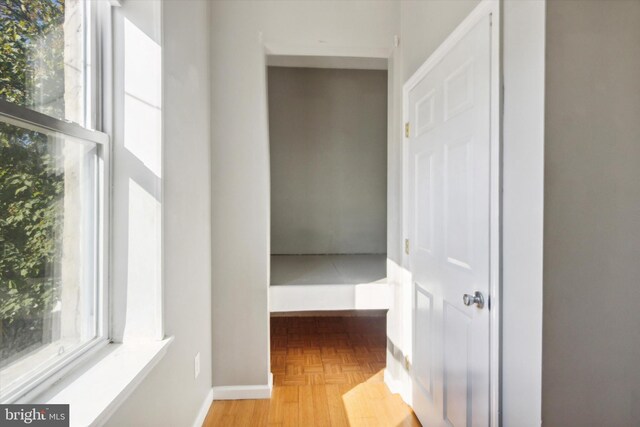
{"x": 448, "y": 190}
{"x": 424, "y": 198}
{"x": 458, "y": 167}
{"x": 456, "y": 365}
{"x": 422, "y": 367}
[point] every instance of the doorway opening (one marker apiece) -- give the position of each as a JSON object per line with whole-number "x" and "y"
{"x": 328, "y": 161}
{"x": 328, "y": 292}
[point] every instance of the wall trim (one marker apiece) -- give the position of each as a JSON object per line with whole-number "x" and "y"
{"x": 402, "y": 384}
{"x": 395, "y": 386}
{"x": 240, "y": 392}
{"x": 291, "y": 49}
{"x": 204, "y": 409}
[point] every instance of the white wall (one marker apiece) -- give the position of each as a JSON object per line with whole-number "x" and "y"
{"x": 170, "y": 395}
{"x": 397, "y": 314}
{"x": 328, "y": 151}
{"x": 592, "y": 215}
{"x": 136, "y": 297}
{"x": 240, "y": 156}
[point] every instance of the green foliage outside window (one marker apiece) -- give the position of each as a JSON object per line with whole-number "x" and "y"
{"x": 31, "y": 181}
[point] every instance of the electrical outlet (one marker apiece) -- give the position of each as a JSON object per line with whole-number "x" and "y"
{"x": 196, "y": 365}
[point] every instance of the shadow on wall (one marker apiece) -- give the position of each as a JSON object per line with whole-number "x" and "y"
{"x": 137, "y": 193}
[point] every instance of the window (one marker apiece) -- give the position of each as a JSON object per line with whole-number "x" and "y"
{"x": 52, "y": 199}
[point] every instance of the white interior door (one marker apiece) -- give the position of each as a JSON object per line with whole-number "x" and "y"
{"x": 448, "y": 200}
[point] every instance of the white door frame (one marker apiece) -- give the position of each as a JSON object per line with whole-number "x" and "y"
{"x": 491, "y": 8}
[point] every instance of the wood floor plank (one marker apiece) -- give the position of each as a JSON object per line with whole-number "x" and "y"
{"x": 337, "y": 414}
{"x": 243, "y": 412}
{"x": 320, "y": 406}
{"x": 260, "y": 416}
{"x": 306, "y": 416}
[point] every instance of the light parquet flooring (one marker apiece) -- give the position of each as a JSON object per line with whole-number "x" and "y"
{"x": 328, "y": 371}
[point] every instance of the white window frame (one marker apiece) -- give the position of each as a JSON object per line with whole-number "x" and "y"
{"x": 97, "y": 83}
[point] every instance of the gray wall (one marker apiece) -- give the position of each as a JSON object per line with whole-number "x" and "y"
{"x": 169, "y": 395}
{"x": 591, "y": 346}
{"x": 425, "y": 25}
{"x": 328, "y": 151}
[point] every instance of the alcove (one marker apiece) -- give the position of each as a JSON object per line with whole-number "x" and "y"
{"x": 328, "y": 162}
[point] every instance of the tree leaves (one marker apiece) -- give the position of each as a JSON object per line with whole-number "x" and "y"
{"x": 32, "y": 53}
{"x": 31, "y": 186}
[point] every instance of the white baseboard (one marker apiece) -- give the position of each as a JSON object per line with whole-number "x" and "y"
{"x": 394, "y": 385}
{"x": 401, "y": 386}
{"x": 204, "y": 409}
{"x": 240, "y": 392}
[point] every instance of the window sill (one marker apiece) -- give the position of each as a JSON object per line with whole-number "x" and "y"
{"x": 103, "y": 383}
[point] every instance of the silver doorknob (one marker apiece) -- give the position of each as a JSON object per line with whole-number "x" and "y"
{"x": 476, "y": 299}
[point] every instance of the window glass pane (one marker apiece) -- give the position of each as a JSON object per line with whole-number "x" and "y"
{"x": 42, "y": 56}
{"x": 48, "y": 189}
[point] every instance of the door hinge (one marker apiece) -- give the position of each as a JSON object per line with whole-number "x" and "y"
{"x": 406, "y": 246}
{"x": 407, "y": 130}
